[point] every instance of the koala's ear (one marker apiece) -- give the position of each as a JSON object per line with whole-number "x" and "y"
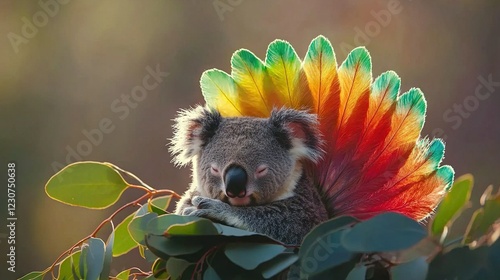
{"x": 192, "y": 130}
{"x": 298, "y": 131}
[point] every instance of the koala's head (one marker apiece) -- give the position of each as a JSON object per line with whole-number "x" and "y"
{"x": 246, "y": 161}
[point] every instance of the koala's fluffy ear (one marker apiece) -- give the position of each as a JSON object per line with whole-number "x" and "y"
{"x": 298, "y": 131}
{"x": 192, "y": 130}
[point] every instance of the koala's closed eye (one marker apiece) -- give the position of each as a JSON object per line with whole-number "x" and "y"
{"x": 214, "y": 169}
{"x": 261, "y": 171}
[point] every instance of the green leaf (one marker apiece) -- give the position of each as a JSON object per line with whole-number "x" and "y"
{"x": 383, "y": 233}
{"x": 357, "y": 273}
{"x": 35, "y": 275}
{"x": 108, "y": 256}
{"x": 69, "y": 264}
{"x": 175, "y": 267}
{"x": 414, "y": 270}
{"x": 82, "y": 263}
{"x": 277, "y": 264}
{"x": 149, "y": 256}
{"x": 189, "y": 272}
{"x": 161, "y": 224}
{"x": 75, "y": 267}
{"x": 466, "y": 263}
{"x": 176, "y": 225}
{"x": 337, "y": 272}
{"x": 321, "y": 248}
{"x": 472, "y": 232}
{"x": 87, "y": 184}
{"x": 459, "y": 263}
{"x": 124, "y": 275}
{"x": 164, "y": 247}
{"x": 485, "y": 217}
{"x": 159, "y": 269}
{"x": 141, "y": 250}
{"x": 454, "y": 201}
{"x": 160, "y": 204}
{"x": 200, "y": 227}
{"x": 324, "y": 229}
{"x": 124, "y": 242}
{"x": 425, "y": 248}
{"x": 138, "y": 227}
{"x": 250, "y": 255}
{"x": 143, "y": 210}
{"x": 232, "y": 231}
{"x": 211, "y": 274}
{"x": 94, "y": 258}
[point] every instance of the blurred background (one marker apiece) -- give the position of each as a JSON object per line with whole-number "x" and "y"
{"x": 66, "y": 66}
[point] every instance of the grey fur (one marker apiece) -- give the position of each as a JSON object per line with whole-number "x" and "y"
{"x": 285, "y": 204}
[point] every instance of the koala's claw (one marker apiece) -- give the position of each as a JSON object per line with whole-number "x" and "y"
{"x": 199, "y": 201}
{"x": 207, "y": 203}
{"x": 188, "y": 210}
{"x": 209, "y": 208}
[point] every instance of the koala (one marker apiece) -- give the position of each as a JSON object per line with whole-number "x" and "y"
{"x": 250, "y": 172}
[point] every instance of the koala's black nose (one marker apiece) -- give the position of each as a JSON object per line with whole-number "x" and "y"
{"x": 236, "y": 181}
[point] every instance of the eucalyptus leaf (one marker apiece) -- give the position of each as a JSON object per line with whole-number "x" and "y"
{"x": 143, "y": 210}
{"x": 35, "y": 275}
{"x": 124, "y": 275}
{"x": 321, "y": 248}
{"x": 250, "y": 255}
{"x": 326, "y": 228}
{"x": 277, "y": 264}
{"x": 357, "y": 273}
{"x": 160, "y": 204}
{"x": 124, "y": 242}
{"x": 165, "y": 247}
{"x": 200, "y": 227}
{"x": 83, "y": 264}
{"x": 159, "y": 269}
{"x": 483, "y": 218}
{"x": 326, "y": 253}
{"x": 211, "y": 274}
{"x": 149, "y": 256}
{"x": 427, "y": 247}
{"x": 459, "y": 263}
{"x": 161, "y": 224}
{"x": 138, "y": 227}
{"x": 337, "y": 272}
{"x": 467, "y": 263}
{"x": 453, "y": 203}
{"x": 175, "y": 267}
{"x": 141, "y": 250}
{"x": 383, "y": 233}
{"x": 87, "y": 184}
{"x": 108, "y": 257}
{"x": 69, "y": 264}
{"x": 232, "y": 231}
{"x": 94, "y": 258}
{"x": 414, "y": 270}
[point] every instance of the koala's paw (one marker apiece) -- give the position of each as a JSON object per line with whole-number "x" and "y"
{"x": 188, "y": 210}
{"x": 208, "y": 208}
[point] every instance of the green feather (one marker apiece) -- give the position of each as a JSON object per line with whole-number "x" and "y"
{"x": 435, "y": 152}
{"x": 359, "y": 57}
{"x": 283, "y": 66}
{"x": 389, "y": 84}
{"x": 320, "y": 47}
{"x": 249, "y": 73}
{"x": 220, "y": 92}
{"x": 413, "y": 103}
{"x": 446, "y": 173}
